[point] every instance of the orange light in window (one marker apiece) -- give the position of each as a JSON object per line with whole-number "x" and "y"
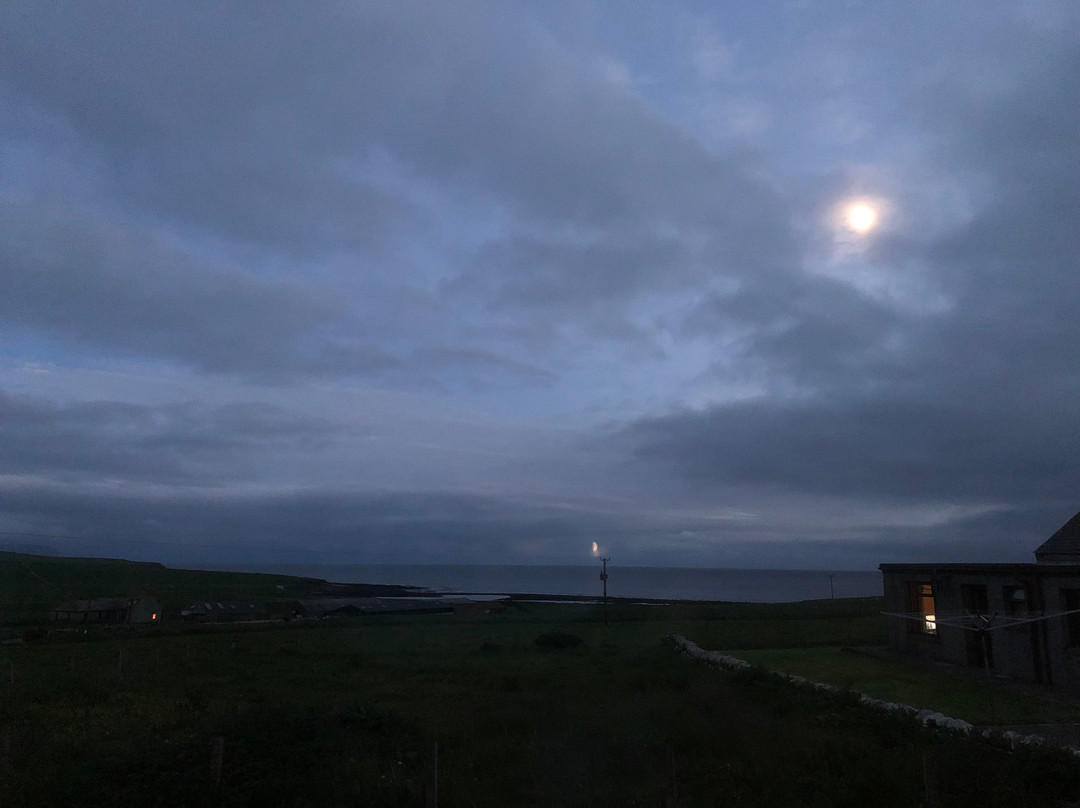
{"x": 153, "y": 616}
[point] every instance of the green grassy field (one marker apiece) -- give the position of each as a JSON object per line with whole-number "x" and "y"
{"x": 349, "y": 712}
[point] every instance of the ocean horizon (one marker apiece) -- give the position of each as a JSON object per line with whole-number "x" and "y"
{"x": 682, "y": 583}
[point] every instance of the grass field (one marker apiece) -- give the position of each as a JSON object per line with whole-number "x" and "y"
{"x": 349, "y": 712}
{"x": 958, "y": 696}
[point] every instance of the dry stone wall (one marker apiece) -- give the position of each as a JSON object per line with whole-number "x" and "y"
{"x": 927, "y": 718}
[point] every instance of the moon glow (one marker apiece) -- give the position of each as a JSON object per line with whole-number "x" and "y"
{"x": 861, "y": 217}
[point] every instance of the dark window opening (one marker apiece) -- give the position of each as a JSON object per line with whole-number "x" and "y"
{"x": 975, "y": 598}
{"x": 1071, "y": 599}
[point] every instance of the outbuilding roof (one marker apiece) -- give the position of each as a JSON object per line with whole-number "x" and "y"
{"x": 100, "y": 605}
{"x": 224, "y": 607}
{"x": 1064, "y": 545}
{"x": 325, "y": 607}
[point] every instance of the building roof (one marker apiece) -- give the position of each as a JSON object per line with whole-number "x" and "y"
{"x": 100, "y": 605}
{"x": 978, "y": 568}
{"x": 224, "y": 607}
{"x": 1064, "y": 543}
{"x": 1070, "y": 568}
{"x": 319, "y": 607}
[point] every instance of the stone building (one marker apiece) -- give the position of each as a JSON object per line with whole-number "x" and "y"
{"x": 1018, "y": 621}
{"x": 108, "y": 610}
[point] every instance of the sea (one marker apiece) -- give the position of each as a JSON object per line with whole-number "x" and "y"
{"x": 668, "y": 583}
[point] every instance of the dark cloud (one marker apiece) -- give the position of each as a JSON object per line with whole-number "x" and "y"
{"x": 341, "y": 526}
{"x": 1008, "y": 535}
{"x": 187, "y": 443}
{"x": 886, "y": 447}
{"x": 229, "y": 113}
{"x": 479, "y": 366}
{"x": 334, "y": 526}
{"x": 300, "y": 134}
{"x": 238, "y": 121}
{"x": 87, "y": 281}
{"x": 531, "y": 272}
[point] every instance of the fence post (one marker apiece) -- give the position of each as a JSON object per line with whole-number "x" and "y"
{"x": 217, "y": 754}
{"x": 930, "y": 794}
{"x": 673, "y": 794}
{"x": 433, "y": 778}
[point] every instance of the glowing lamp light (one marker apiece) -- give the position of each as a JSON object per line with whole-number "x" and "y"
{"x": 153, "y": 616}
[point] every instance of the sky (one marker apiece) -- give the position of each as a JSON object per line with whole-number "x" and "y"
{"x": 776, "y": 285}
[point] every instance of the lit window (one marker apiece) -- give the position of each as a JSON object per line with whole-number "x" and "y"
{"x": 153, "y": 616}
{"x": 922, "y": 602}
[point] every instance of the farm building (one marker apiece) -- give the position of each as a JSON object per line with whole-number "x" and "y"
{"x": 354, "y": 607}
{"x": 1016, "y": 621}
{"x": 227, "y": 610}
{"x": 108, "y": 610}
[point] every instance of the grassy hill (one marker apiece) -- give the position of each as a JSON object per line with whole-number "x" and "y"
{"x": 31, "y": 585}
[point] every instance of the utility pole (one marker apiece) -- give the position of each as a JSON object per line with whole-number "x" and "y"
{"x": 832, "y": 593}
{"x": 603, "y": 578}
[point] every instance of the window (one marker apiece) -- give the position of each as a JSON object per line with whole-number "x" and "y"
{"x": 975, "y": 598}
{"x": 1016, "y": 599}
{"x": 922, "y": 603}
{"x": 1071, "y": 598}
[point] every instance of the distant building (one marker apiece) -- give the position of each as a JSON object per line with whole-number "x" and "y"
{"x": 355, "y": 607}
{"x": 108, "y": 610}
{"x": 1018, "y": 621}
{"x": 219, "y": 610}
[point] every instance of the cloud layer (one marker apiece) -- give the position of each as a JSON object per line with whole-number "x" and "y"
{"x": 414, "y": 281}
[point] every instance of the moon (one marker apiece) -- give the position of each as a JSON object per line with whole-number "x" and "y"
{"x": 861, "y": 217}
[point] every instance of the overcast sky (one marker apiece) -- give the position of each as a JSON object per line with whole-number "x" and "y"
{"x": 488, "y": 282}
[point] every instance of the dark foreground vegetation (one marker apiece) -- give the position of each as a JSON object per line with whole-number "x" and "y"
{"x": 349, "y": 712}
